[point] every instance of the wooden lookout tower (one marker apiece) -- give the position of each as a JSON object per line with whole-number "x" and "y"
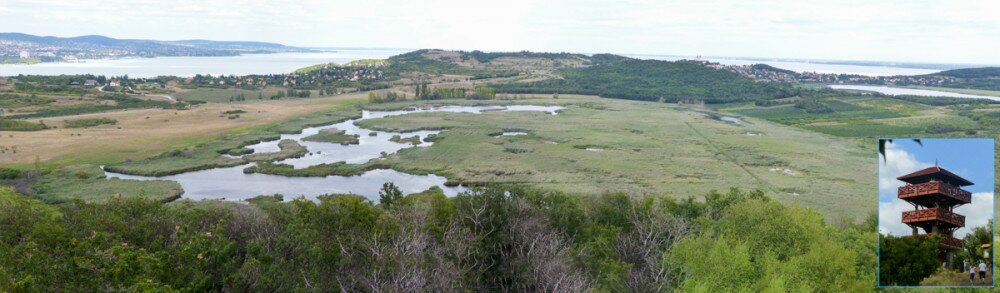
{"x": 935, "y": 193}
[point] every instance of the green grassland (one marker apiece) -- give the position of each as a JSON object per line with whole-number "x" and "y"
{"x": 641, "y": 147}
{"x": 862, "y": 119}
{"x": 88, "y": 183}
{"x": 860, "y": 116}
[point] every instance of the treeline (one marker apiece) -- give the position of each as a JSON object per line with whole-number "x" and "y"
{"x": 654, "y": 80}
{"x": 494, "y": 239}
{"x": 488, "y": 75}
{"x": 424, "y": 92}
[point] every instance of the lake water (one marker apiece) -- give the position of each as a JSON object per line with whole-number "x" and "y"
{"x": 232, "y": 184}
{"x": 908, "y": 91}
{"x": 287, "y": 62}
{"x": 802, "y": 66}
{"x": 189, "y": 66}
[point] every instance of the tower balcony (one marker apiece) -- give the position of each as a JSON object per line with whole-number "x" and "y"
{"x": 933, "y": 216}
{"x": 928, "y": 193}
{"x": 950, "y": 242}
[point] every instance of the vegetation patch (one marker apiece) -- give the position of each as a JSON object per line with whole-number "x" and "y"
{"x": 19, "y": 125}
{"x": 333, "y": 136}
{"x": 89, "y": 122}
{"x": 289, "y": 149}
{"x": 414, "y": 140}
{"x": 321, "y": 170}
{"x": 12, "y": 101}
{"x": 88, "y": 183}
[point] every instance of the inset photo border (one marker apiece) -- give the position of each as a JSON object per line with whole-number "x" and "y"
{"x": 936, "y": 213}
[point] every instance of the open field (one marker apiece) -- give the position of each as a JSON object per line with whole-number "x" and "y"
{"x": 148, "y": 132}
{"x": 870, "y": 117}
{"x": 599, "y": 145}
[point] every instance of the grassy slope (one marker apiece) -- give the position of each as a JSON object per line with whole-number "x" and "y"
{"x": 864, "y": 119}
{"x": 647, "y": 148}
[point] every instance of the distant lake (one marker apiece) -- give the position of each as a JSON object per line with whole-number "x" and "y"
{"x": 802, "y": 66}
{"x": 896, "y": 91}
{"x": 189, "y": 66}
{"x": 288, "y": 62}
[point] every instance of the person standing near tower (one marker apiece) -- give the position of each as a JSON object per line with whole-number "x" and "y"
{"x": 982, "y": 271}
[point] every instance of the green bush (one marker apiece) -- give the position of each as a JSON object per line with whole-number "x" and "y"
{"x": 18, "y": 125}
{"x": 89, "y": 122}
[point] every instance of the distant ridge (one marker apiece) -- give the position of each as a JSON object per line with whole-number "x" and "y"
{"x": 981, "y": 72}
{"x": 12, "y": 44}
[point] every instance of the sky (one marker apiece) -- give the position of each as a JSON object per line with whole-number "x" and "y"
{"x": 892, "y": 30}
{"x": 971, "y": 159}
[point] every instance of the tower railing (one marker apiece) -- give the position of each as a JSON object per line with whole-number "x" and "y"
{"x": 937, "y": 187}
{"x": 951, "y": 241}
{"x": 934, "y": 214}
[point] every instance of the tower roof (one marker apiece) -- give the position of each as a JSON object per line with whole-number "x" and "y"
{"x": 935, "y": 172}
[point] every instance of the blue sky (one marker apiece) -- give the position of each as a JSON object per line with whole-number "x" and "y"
{"x": 972, "y": 159}
{"x": 961, "y": 31}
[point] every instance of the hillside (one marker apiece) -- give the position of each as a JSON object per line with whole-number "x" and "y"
{"x": 982, "y": 78}
{"x": 653, "y": 80}
{"x": 606, "y": 75}
{"x": 436, "y": 61}
{"x": 982, "y": 72}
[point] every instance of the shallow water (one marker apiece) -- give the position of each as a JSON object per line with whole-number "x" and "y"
{"x": 908, "y": 91}
{"x": 511, "y": 133}
{"x": 732, "y": 120}
{"x": 232, "y": 184}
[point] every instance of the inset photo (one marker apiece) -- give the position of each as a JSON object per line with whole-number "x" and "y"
{"x": 936, "y": 212}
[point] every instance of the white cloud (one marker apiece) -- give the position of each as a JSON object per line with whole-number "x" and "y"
{"x": 890, "y": 218}
{"x": 977, "y": 214}
{"x": 896, "y": 162}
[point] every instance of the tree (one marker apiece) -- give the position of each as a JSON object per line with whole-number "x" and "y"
{"x": 905, "y": 261}
{"x": 389, "y": 195}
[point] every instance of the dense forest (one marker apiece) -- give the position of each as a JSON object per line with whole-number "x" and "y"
{"x": 654, "y": 80}
{"x": 493, "y": 239}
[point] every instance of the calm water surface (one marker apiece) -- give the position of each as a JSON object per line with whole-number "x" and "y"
{"x": 232, "y": 184}
{"x": 908, "y": 91}
{"x": 189, "y": 66}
